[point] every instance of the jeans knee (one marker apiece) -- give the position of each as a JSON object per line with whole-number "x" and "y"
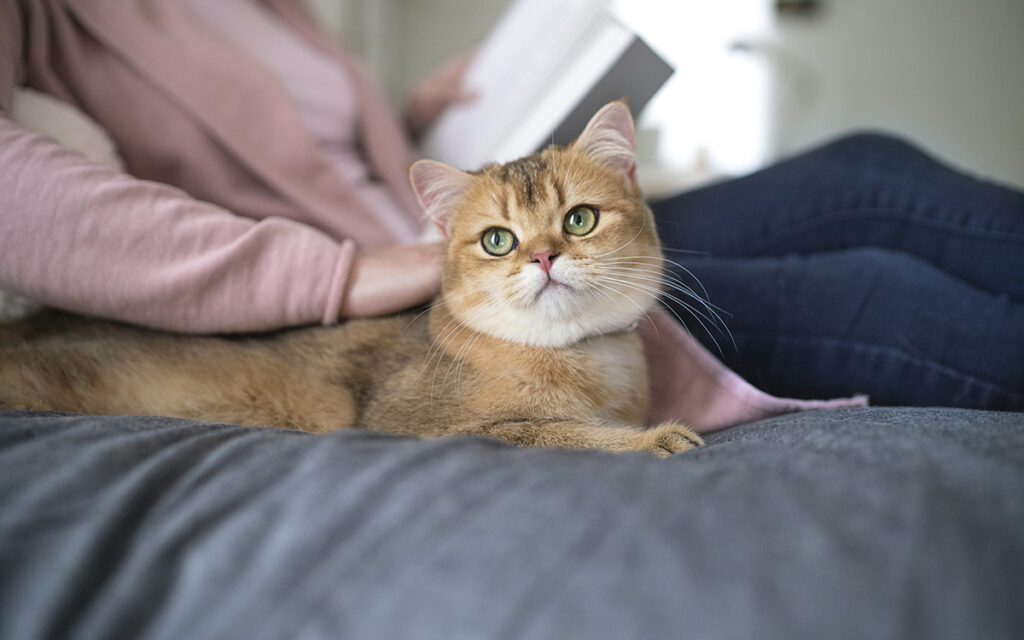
{"x": 871, "y": 144}
{"x": 872, "y": 156}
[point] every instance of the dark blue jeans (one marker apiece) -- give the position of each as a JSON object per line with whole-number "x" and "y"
{"x": 864, "y": 266}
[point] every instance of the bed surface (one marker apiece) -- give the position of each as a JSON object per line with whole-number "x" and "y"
{"x": 856, "y": 523}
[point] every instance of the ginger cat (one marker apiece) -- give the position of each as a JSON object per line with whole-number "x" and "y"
{"x": 551, "y": 260}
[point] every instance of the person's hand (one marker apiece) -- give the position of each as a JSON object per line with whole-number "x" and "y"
{"x": 441, "y": 88}
{"x": 384, "y": 281}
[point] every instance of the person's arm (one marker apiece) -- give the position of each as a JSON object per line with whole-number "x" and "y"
{"x": 436, "y": 92}
{"x": 83, "y": 237}
{"x": 387, "y": 280}
{"x": 79, "y": 236}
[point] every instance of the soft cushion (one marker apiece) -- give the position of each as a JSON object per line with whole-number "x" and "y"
{"x": 855, "y": 523}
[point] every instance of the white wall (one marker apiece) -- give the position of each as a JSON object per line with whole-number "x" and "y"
{"x": 403, "y": 40}
{"x": 948, "y": 74}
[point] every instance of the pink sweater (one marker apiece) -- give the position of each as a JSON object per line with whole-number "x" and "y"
{"x": 229, "y": 218}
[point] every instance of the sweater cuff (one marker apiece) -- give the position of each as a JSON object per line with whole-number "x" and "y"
{"x": 339, "y": 281}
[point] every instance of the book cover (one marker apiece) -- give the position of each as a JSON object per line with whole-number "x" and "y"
{"x": 544, "y": 70}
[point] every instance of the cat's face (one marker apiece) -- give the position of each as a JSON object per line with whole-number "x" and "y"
{"x": 552, "y": 248}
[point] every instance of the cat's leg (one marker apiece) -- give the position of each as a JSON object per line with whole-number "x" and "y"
{"x": 660, "y": 441}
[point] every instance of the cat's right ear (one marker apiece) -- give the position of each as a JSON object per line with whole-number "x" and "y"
{"x": 610, "y": 138}
{"x": 439, "y": 188}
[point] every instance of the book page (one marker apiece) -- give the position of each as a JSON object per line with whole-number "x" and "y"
{"x": 529, "y": 46}
{"x": 590, "y": 59}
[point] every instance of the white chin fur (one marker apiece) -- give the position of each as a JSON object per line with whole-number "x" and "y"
{"x": 560, "y": 317}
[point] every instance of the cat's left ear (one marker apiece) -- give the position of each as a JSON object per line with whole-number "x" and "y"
{"x": 440, "y": 189}
{"x": 610, "y": 138}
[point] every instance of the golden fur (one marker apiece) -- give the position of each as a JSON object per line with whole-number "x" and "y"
{"x": 506, "y": 350}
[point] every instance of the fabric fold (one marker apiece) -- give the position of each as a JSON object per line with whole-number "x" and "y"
{"x": 691, "y": 386}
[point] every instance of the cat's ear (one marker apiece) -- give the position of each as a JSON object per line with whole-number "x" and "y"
{"x": 439, "y": 188}
{"x": 610, "y": 138}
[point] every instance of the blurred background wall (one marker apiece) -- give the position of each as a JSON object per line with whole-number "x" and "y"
{"x": 761, "y": 79}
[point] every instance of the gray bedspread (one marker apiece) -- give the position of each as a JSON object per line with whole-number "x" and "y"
{"x": 870, "y": 523}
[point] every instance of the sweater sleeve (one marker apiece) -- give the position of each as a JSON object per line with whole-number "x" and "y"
{"x": 87, "y": 238}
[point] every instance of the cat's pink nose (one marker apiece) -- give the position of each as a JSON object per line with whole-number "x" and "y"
{"x": 544, "y": 258}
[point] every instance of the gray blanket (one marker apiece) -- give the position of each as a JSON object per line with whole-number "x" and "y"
{"x": 872, "y": 523}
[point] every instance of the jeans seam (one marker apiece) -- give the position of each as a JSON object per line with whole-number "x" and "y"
{"x": 899, "y": 353}
{"x": 886, "y": 214}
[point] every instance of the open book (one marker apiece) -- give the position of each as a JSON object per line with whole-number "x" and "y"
{"x": 540, "y": 75}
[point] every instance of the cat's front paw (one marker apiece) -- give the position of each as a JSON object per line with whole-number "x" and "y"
{"x": 666, "y": 439}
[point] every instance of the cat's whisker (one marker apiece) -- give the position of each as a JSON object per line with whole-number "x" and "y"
{"x": 693, "y": 310}
{"x": 595, "y": 288}
{"x": 711, "y": 317}
{"x": 439, "y": 347}
{"x": 674, "y": 264}
{"x": 677, "y": 283}
{"x": 439, "y": 340}
{"x": 440, "y": 300}
{"x": 667, "y": 278}
{"x": 689, "y": 252}
{"x": 643, "y": 225}
{"x": 670, "y": 281}
{"x": 682, "y": 323}
{"x": 452, "y": 334}
{"x": 642, "y": 269}
{"x": 679, "y": 319}
{"x": 644, "y": 312}
{"x": 649, "y": 276}
{"x": 605, "y": 287}
{"x": 462, "y": 363}
{"x": 447, "y": 299}
{"x": 419, "y": 315}
{"x": 636, "y": 271}
{"x": 603, "y": 290}
{"x": 707, "y": 296}
{"x": 457, "y": 359}
{"x": 430, "y": 307}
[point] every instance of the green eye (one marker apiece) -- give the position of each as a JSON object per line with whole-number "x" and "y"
{"x": 580, "y": 221}
{"x": 498, "y": 241}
